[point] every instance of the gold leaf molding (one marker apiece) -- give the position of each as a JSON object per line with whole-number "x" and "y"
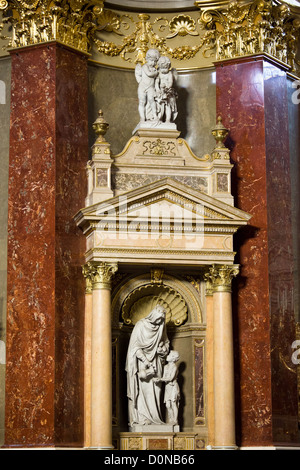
{"x": 217, "y": 30}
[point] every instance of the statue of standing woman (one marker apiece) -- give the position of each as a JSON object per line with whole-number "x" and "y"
{"x": 148, "y": 348}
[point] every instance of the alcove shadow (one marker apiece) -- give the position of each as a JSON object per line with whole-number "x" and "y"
{"x": 182, "y": 101}
{"x": 181, "y": 380}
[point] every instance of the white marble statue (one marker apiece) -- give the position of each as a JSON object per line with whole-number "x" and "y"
{"x": 156, "y": 92}
{"x": 166, "y": 95}
{"x": 146, "y": 75}
{"x": 148, "y": 348}
{"x": 172, "y": 391}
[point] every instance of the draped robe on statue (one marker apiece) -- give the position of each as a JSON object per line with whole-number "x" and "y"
{"x": 146, "y": 343}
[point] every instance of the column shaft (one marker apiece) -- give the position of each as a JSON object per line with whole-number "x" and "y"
{"x": 87, "y": 367}
{"x": 45, "y": 301}
{"x": 101, "y": 356}
{"x": 101, "y": 436}
{"x": 210, "y": 366}
{"x": 220, "y": 278}
{"x": 253, "y": 102}
{"x": 224, "y": 410}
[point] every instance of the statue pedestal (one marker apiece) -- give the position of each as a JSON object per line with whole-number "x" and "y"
{"x": 155, "y": 125}
{"x": 154, "y": 428}
{"x": 161, "y": 441}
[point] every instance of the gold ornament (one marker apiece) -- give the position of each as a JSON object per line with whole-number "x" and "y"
{"x": 182, "y": 25}
{"x": 100, "y": 127}
{"x": 70, "y": 22}
{"x": 261, "y": 26}
{"x": 220, "y": 277}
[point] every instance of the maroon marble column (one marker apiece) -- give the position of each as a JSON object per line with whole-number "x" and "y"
{"x": 48, "y": 154}
{"x": 252, "y": 100}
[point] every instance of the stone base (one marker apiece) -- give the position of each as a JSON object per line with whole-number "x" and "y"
{"x": 161, "y": 441}
{"x": 155, "y": 125}
{"x": 154, "y": 428}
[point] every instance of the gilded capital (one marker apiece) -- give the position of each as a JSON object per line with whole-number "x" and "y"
{"x": 98, "y": 276}
{"x": 103, "y": 275}
{"x": 220, "y": 277}
{"x": 70, "y": 22}
{"x": 252, "y": 27}
{"x": 88, "y": 273}
{"x": 208, "y": 287}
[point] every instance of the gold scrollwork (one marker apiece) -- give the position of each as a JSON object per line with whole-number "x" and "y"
{"x": 182, "y": 25}
{"x": 148, "y": 32}
{"x": 159, "y": 147}
{"x": 257, "y": 27}
{"x": 70, "y": 22}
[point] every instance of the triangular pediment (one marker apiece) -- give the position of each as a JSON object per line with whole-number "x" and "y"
{"x": 165, "y": 222}
{"x": 165, "y": 199}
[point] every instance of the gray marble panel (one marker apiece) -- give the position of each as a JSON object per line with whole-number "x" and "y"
{"x": 115, "y": 92}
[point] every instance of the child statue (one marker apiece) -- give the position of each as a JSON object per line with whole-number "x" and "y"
{"x": 156, "y": 92}
{"x": 166, "y": 94}
{"x": 172, "y": 392}
{"x": 146, "y": 75}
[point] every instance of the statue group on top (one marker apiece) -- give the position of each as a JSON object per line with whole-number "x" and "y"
{"x": 149, "y": 365}
{"x": 156, "y": 93}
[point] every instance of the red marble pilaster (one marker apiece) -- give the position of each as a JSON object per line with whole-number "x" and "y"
{"x": 48, "y": 154}
{"x": 252, "y": 100}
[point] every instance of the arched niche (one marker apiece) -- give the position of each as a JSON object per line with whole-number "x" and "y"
{"x": 133, "y": 297}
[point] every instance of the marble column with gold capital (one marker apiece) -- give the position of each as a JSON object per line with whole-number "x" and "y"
{"x": 220, "y": 278}
{"x": 100, "y": 436}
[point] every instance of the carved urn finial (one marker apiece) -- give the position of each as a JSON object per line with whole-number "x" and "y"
{"x": 220, "y": 133}
{"x": 100, "y": 127}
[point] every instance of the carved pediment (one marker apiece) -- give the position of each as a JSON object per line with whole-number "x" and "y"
{"x": 159, "y": 220}
{"x": 166, "y": 199}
